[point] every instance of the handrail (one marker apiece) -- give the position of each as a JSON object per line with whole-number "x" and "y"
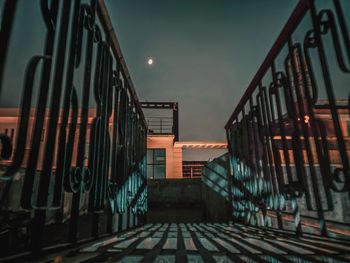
{"x": 287, "y": 136}
{"x": 116, "y": 49}
{"x": 293, "y": 21}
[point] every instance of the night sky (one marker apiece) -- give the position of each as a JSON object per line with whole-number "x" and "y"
{"x": 206, "y": 52}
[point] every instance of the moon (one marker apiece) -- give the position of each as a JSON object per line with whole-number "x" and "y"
{"x": 150, "y": 61}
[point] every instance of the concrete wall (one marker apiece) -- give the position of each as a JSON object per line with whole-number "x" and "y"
{"x": 175, "y": 200}
{"x": 185, "y": 200}
{"x": 216, "y": 189}
{"x": 177, "y": 165}
{"x": 174, "y": 191}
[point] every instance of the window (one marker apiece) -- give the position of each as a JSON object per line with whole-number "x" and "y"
{"x": 156, "y": 163}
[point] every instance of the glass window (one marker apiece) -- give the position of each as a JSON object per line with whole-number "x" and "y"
{"x": 156, "y": 163}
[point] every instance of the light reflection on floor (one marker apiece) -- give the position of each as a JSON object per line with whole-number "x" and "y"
{"x": 220, "y": 243}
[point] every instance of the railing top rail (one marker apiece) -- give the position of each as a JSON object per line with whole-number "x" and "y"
{"x": 293, "y": 21}
{"x": 159, "y": 105}
{"x": 115, "y": 46}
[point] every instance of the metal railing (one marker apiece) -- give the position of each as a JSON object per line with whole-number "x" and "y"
{"x": 162, "y": 124}
{"x": 192, "y": 168}
{"x": 89, "y": 168}
{"x": 289, "y": 134}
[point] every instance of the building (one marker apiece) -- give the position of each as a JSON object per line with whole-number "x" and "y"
{"x": 165, "y": 153}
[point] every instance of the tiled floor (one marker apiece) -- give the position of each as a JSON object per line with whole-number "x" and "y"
{"x": 212, "y": 243}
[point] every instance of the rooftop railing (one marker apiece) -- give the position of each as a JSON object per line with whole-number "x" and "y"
{"x": 289, "y": 134}
{"x": 160, "y": 123}
{"x": 70, "y": 62}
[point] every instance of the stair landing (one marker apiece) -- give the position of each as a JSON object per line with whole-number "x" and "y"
{"x": 207, "y": 242}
